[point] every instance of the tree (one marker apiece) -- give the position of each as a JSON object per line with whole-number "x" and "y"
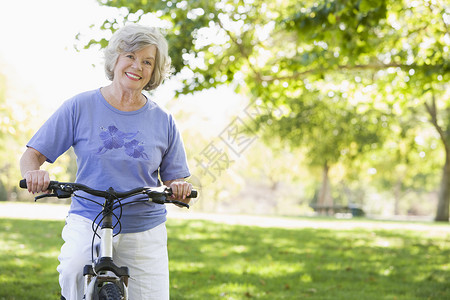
{"x": 379, "y": 44}
{"x": 343, "y": 70}
{"x": 18, "y": 123}
{"x": 410, "y": 169}
{"x": 4, "y": 118}
{"x": 10, "y": 142}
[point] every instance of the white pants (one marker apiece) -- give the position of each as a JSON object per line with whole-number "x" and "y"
{"x": 144, "y": 253}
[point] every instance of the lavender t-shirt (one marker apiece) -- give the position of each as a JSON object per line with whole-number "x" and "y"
{"x": 118, "y": 149}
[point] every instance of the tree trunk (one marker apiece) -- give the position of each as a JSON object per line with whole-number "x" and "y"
{"x": 324, "y": 201}
{"x": 442, "y": 213}
{"x": 397, "y": 196}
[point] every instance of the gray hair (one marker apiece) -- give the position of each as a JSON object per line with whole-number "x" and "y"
{"x": 134, "y": 37}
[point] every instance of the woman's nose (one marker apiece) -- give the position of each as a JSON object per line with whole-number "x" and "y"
{"x": 137, "y": 65}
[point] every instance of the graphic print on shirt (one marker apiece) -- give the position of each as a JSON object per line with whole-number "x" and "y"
{"x": 112, "y": 138}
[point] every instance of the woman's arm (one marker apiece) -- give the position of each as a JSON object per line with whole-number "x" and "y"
{"x": 30, "y": 164}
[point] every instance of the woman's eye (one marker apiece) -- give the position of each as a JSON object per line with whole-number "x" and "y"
{"x": 129, "y": 56}
{"x": 148, "y": 62}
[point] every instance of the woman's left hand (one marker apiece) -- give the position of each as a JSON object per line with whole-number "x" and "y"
{"x": 181, "y": 189}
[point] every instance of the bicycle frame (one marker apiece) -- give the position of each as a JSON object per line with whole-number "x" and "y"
{"x": 103, "y": 271}
{"x": 100, "y": 271}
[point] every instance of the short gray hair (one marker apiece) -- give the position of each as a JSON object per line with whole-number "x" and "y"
{"x": 134, "y": 37}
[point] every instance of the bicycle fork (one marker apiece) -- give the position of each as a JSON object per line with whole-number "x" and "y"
{"x": 103, "y": 270}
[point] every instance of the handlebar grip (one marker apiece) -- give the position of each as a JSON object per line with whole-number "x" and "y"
{"x": 23, "y": 183}
{"x": 193, "y": 193}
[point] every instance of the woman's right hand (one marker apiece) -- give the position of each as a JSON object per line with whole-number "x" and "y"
{"x": 37, "y": 181}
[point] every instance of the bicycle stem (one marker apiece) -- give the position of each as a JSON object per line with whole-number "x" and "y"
{"x": 107, "y": 228}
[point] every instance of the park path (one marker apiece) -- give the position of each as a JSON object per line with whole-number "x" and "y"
{"x": 43, "y": 211}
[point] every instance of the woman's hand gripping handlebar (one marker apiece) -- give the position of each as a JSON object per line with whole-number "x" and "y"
{"x": 158, "y": 195}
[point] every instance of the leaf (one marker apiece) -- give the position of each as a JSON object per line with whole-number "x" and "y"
{"x": 331, "y": 18}
{"x": 313, "y": 50}
{"x": 367, "y": 5}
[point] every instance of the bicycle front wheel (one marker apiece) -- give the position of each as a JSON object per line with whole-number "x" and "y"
{"x": 109, "y": 292}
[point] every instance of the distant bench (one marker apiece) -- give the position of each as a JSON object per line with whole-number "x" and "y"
{"x": 354, "y": 210}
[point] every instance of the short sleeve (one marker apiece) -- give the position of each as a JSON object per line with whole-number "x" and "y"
{"x": 57, "y": 134}
{"x": 174, "y": 162}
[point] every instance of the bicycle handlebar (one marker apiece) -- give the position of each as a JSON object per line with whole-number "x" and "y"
{"x": 66, "y": 189}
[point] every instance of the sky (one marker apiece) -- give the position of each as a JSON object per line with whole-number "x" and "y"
{"x": 37, "y": 47}
{"x": 38, "y": 56}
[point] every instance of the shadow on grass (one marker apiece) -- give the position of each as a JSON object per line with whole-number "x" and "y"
{"x": 28, "y": 259}
{"x": 216, "y": 261}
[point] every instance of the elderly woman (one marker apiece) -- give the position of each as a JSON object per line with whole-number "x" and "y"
{"x": 124, "y": 140}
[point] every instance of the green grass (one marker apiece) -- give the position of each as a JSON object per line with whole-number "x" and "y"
{"x": 216, "y": 261}
{"x": 28, "y": 259}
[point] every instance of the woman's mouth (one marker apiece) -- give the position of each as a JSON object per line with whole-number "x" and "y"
{"x": 133, "y": 76}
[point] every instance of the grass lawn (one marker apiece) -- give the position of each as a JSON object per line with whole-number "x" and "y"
{"x": 217, "y": 261}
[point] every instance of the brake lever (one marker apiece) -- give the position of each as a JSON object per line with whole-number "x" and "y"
{"x": 176, "y": 202}
{"x": 58, "y": 193}
{"x": 44, "y": 196}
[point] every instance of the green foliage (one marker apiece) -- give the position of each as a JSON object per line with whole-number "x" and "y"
{"x": 354, "y": 79}
{"x": 18, "y": 122}
{"x": 216, "y": 261}
{"x": 11, "y": 140}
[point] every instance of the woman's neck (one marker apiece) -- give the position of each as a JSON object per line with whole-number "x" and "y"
{"x": 122, "y": 99}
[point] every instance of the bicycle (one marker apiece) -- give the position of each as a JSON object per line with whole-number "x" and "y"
{"x": 104, "y": 280}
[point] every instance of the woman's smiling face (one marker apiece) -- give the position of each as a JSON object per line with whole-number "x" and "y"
{"x": 134, "y": 70}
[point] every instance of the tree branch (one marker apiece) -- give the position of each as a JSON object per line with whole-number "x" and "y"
{"x": 375, "y": 67}
{"x": 432, "y": 111}
{"x": 241, "y": 48}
